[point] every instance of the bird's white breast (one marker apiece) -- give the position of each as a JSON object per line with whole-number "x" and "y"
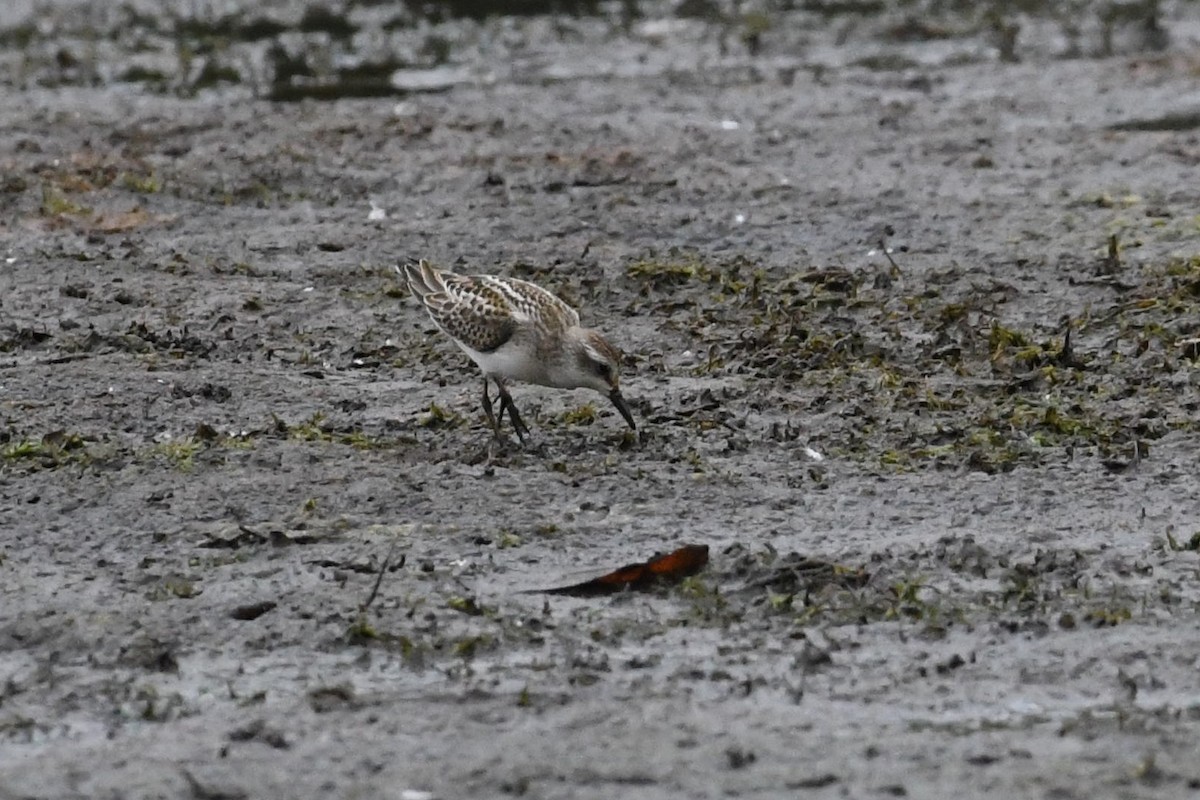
{"x": 510, "y": 362}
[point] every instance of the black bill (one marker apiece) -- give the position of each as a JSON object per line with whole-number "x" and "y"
{"x": 619, "y": 402}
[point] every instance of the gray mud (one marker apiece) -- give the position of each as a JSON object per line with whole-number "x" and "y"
{"x": 951, "y": 503}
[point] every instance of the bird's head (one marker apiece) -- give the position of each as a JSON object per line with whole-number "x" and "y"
{"x": 597, "y": 365}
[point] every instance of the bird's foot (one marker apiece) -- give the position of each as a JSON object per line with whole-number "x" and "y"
{"x": 519, "y": 426}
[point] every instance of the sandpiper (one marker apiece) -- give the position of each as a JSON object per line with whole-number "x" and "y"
{"x": 516, "y": 330}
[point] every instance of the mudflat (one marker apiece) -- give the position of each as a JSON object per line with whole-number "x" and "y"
{"x": 909, "y": 296}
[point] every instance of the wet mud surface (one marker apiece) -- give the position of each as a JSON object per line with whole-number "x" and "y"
{"x": 252, "y": 541}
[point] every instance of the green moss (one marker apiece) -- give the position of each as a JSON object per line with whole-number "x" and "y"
{"x": 780, "y": 602}
{"x": 1108, "y": 617}
{"x": 140, "y": 74}
{"x": 311, "y": 429}
{"x": 55, "y": 203}
{"x": 179, "y": 452}
{"x": 440, "y": 418}
{"x": 754, "y": 25}
{"x": 174, "y": 587}
{"x": 143, "y": 184}
{"x": 361, "y": 630}
{"x": 360, "y": 441}
{"x": 1183, "y": 267}
{"x": 663, "y": 273}
{"x": 907, "y": 600}
{"x": 1001, "y": 339}
{"x": 23, "y": 449}
{"x": 508, "y": 540}
{"x": 465, "y": 605}
{"x": 467, "y": 648}
{"x": 583, "y": 415}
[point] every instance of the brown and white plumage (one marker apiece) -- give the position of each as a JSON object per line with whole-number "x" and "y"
{"x": 516, "y": 330}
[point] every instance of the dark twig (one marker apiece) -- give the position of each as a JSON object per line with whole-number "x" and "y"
{"x": 1066, "y": 356}
{"x": 379, "y": 578}
{"x": 888, "y": 255}
{"x": 887, "y": 231}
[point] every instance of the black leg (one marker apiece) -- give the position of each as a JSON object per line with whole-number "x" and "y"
{"x": 506, "y": 402}
{"x": 487, "y": 409}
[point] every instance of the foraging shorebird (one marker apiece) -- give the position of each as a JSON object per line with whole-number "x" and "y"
{"x": 517, "y": 331}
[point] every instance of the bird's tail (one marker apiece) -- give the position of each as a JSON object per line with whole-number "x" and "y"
{"x": 421, "y": 277}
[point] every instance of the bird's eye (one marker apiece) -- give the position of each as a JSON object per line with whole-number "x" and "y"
{"x": 602, "y": 369}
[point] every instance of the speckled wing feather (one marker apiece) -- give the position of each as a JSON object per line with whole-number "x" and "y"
{"x": 484, "y": 311}
{"x": 530, "y": 301}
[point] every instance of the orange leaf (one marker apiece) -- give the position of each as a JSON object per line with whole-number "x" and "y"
{"x": 663, "y": 569}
